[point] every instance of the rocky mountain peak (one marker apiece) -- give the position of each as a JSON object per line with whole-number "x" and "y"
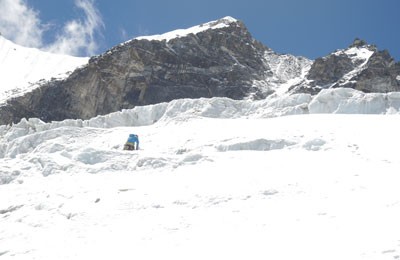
{"x": 361, "y": 66}
{"x": 218, "y": 58}
{"x": 227, "y": 20}
{"x": 358, "y": 43}
{"x": 362, "y": 44}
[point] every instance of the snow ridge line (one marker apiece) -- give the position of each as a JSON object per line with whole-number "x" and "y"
{"x": 221, "y": 23}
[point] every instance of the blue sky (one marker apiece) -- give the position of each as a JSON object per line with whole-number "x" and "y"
{"x": 310, "y": 28}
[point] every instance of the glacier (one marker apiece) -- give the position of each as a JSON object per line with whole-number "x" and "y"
{"x": 297, "y": 177}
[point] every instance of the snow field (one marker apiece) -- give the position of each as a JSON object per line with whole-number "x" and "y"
{"x": 302, "y": 186}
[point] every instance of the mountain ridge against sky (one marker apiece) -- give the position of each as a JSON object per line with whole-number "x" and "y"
{"x": 218, "y": 58}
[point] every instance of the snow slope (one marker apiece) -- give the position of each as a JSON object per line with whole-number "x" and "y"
{"x": 214, "y": 179}
{"x": 221, "y": 23}
{"x": 22, "y": 68}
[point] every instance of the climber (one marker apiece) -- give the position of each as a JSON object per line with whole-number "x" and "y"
{"x": 132, "y": 143}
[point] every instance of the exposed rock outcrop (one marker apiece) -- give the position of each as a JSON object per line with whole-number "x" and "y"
{"x": 361, "y": 66}
{"x": 381, "y": 74}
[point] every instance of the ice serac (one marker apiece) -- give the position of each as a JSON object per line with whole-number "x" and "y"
{"x": 216, "y": 59}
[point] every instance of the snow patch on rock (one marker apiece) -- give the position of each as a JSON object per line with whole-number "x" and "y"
{"x": 359, "y": 57}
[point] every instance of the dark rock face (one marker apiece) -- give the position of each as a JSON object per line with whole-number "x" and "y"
{"x": 216, "y": 62}
{"x": 328, "y": 70}
{"x": 361, "y": 66}
{"x": 382, "y": 74}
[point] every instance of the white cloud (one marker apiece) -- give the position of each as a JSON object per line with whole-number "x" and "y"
{"x": 21, "y": 24}
{"x": 79, "y": 36}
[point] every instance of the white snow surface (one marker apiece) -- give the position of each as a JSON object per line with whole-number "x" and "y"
{"x": 23, "y": 69}
{"x": 214, "y": 179}
{"x": 221, "y": 23}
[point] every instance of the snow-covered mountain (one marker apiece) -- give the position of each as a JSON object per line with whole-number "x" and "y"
{"x": 24, "y": 69}
{"x": 215, "y": 59}
{"x": 302, "y": 165}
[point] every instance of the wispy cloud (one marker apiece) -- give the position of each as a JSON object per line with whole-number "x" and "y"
{"x": 123, "y": 34}
{"x": 78, "y": 37}
{"x": 20, "y": 23}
